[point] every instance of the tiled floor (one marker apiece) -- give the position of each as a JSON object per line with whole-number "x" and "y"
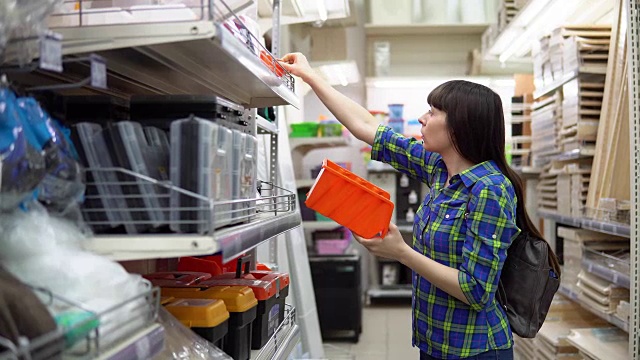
{"x": 386, "y": 335}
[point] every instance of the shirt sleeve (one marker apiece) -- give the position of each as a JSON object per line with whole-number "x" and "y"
{"x": 491, "y": 226}
{"x": 406, "y": 155}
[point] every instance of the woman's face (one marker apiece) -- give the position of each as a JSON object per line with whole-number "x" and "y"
{"x": 435, "y": 133}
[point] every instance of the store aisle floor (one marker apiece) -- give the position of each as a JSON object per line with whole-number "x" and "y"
{"x": 386, "y": 335}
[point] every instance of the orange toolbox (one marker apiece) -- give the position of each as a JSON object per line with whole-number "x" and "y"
{"x": 240, "y": 302}
{"x": 206, "y": 317}
{"x": 351, "y": 201}
{"x": 271, "y": 290}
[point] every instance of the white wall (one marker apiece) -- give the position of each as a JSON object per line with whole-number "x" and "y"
{"x": 413, "y": 94}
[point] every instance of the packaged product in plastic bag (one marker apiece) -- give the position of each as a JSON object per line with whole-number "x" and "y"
{"x": 63, "y": 184}
{"x": 182, "y": 343}
{"x": 45, "y": 252}
{"x": 22, "y": 166}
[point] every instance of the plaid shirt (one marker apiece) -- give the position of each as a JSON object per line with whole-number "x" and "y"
{"x": 467, "y": 226}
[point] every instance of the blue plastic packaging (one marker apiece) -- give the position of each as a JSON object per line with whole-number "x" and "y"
{"x": 22, "y": 165}
{"x": 63, "y": 184}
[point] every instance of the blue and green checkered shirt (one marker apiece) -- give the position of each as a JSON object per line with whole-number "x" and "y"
{"x": 468, "y": 226}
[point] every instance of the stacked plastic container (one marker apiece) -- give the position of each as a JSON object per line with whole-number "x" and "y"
{"x": 396, "y": 120}
{"x": 244, "y": 174}
{"x": 201, "y": 162}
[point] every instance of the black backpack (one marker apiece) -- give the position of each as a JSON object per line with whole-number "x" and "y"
{"x": 529, "y": 280}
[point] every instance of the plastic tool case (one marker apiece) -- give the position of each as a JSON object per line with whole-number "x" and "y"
{"x": 201, "y": 162}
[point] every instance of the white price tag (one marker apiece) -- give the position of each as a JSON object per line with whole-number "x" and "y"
{"x": 51, "y": 52}
{"x": 98, "y": 72}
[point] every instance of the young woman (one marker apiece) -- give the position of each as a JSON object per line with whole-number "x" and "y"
{"x": 466, "y": 222}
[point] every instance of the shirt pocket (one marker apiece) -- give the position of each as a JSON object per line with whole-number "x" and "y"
{"x": 448, "y": 230}
{"x": 450, "y": 212}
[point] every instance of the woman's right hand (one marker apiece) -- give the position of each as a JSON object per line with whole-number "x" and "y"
{"x": 297, "y": 64}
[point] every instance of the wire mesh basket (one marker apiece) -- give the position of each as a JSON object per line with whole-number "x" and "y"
{"x": 93, "y": 334}
{"x": 281, "y": 337}
{"x": 83, "y": 13}
{"x": 118, "y": 197}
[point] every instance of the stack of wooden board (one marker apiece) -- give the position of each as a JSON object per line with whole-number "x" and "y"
{"x": 546, "y": 123}
{"x": 600, "y": 343}
{"x": 542, "y": 68}
{"x": 581, "y": 105}
{"x": 551, "y": 342}
{"x": 574, "y": 242}
{"x": 507, "y": 10}
{"x": 572, "y": 185}
{"x": 609, "y": 188}
{"x": 585, "y": 46}
{"x": 521, "y": 130}
{"x": 599, "y": 293}
{"x": 548, "y": 190}
{"x": 570, "y": 50}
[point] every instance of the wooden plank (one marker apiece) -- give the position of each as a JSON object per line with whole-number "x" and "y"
{"x": 613, "y": 83}
{"x": 601, "y": 343}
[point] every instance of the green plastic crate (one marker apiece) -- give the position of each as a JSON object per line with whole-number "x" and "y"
{"x": 304, "y": 129}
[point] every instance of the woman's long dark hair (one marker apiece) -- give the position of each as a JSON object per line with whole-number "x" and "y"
{"x": 476, "y": 125}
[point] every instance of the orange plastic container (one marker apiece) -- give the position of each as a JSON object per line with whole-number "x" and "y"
{"x": 351, "y": 201}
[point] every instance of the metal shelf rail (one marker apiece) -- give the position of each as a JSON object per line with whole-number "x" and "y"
{"x": 253, "y": 221}
{"x": 616, "y": 229}
{"x": 284, "y": 340}
{"x": 105, "y": 335}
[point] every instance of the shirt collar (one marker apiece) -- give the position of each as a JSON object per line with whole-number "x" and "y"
{"x": 471, "y": 175}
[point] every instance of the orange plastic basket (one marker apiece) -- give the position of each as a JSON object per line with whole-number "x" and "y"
{"x": 351, "y": 201}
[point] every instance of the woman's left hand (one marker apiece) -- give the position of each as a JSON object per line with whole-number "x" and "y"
{"x": 392, "y": 246}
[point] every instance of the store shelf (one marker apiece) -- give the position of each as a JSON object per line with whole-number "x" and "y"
{"x": 425, "y": 29}
{"x": 283, "y": 341}
{"x": 405, "y": 228}
{"x": 397, "y": 291}
{"x": 231, "y": 241}
{"x": 145, "y": 344}
{"x": 607, "y": 317}
{"x": 320, "y": 225}
{"x": 574, "y": 155}
{"x": 615, "y": 277}
{"x": 191, "y": 57}
{"x": 563, "y": 219}
{"x": 592, "y": 69}
{"x": 307, "y": 144}
{"x": 606, "y": 227}
{"x": 266, "y": 125}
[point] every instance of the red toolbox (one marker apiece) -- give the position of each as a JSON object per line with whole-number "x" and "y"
{"x": 271, "y": 290}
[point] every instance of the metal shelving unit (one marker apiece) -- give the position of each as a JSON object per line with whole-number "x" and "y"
{"x": 193, "y": 57}
{"x": 615, "y": 277}
{"x": 196, "y": 56}
{"x": 568, "y": 76}
{"x": 616, "y": 229}
{"x": 231, "y": 241}
{"x": 633, "y": 44}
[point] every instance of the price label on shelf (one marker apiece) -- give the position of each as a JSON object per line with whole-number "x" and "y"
{"x": 98, "y": 72}
{"x": 51, "y": 52}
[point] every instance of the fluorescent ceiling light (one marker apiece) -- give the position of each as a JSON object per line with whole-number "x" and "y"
{"x": 538, "y": 18}
{"x": 322, "y": 10}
